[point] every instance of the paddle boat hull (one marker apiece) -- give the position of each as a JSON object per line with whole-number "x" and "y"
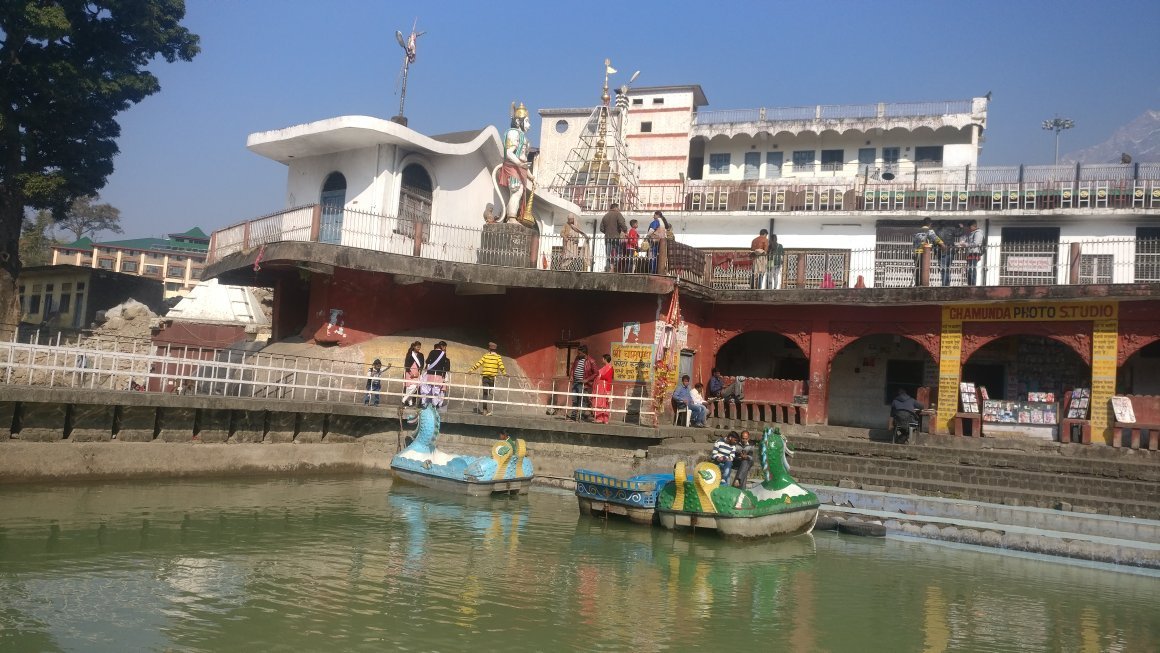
{"x": 786, "y": 524}
{"x": 635, "y": 498}
{"x": 512, "y": 486}
{"x": 508, "y": 470}
{"x": 775, "y": 507}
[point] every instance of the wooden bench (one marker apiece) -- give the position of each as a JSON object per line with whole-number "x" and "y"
{"x": 1145, "y": 431}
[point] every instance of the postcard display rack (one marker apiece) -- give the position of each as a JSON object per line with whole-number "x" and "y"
{"x": 1038, "y": 417}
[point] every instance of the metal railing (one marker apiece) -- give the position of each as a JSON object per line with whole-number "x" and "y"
{"x": 836, "y": 112}
{"x": 855, "y": 187}
{"x": 896, "y": 265}
{"x": 138, "y": 366}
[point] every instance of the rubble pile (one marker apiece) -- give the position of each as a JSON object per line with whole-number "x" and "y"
{"x": 129, "y": 319}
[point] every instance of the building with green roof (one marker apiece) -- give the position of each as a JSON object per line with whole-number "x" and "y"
{"x": 176, "y": 260}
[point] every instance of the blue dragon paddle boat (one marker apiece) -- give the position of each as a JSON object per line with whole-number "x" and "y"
{"x": 508, "y": 470}
{"x": 635, "y": 498}
{"x": 777, "y": 506}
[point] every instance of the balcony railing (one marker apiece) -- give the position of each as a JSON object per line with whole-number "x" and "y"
{"x": 890, "y": 264}
{"x": 486, "y": 245}
{"x": 836, "y": 112}
{"x": 897, "y": 265}
{"x": 902, "y": 187}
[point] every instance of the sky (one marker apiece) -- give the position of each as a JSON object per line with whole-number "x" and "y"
{"x": 270, "y": 64}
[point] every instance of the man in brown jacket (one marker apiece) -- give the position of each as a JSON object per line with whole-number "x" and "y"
{"x": 614, "y": 228}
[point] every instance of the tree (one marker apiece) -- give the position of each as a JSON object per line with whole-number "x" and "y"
{"x": 84, "y": 218}
{"x": 67, "y": 68}
{"x": 36, "y": 239}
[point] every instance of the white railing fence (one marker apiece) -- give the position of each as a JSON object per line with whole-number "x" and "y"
{"x": 279, "y": 378}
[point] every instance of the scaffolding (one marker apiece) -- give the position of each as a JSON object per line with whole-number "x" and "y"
{"x": 598, "y": 171}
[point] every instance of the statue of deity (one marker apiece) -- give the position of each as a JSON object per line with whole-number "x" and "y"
{"x": 514, "y": 173}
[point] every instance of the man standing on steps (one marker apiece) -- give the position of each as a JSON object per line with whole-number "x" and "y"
{"x": 489, "y": 366}
{"x": 614, "y": 228}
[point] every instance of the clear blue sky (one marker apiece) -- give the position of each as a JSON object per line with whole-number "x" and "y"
{"x": 268, "y": 64}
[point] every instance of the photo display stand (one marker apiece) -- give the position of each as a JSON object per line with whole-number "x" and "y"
{"x": 969, "y": 398}
{"x": 1081, "y": 402}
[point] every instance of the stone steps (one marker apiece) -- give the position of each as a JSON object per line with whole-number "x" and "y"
{"x": 1099, "y": 538}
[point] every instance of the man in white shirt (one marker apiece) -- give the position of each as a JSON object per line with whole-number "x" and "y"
{"x": 699, "y": 400}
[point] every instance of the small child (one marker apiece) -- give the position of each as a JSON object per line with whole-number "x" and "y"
{"x": 374, "y": 382}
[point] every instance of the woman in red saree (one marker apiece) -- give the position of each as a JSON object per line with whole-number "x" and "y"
{"x": 603, "y": 392}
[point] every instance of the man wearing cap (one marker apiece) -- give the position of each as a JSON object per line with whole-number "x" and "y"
{"x": 374, "y": 383}
{"x": 489, "y": 366}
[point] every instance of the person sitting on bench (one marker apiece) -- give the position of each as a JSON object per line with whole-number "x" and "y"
{"x": 735, "y": 393}
{"x": 683, "y": 400}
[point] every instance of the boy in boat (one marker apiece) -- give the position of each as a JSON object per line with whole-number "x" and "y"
{"x": 724, "y": 450}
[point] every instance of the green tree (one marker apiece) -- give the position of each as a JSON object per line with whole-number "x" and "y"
{"x": 67, "y": 68}
{"x": 36, "y": 239}
{"x": 84, "y": 218}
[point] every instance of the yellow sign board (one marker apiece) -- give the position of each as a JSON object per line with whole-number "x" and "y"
{"x": 1031, "y": 312}
{"x": 632, "y": 362}
{"x": 1105, "y": 340}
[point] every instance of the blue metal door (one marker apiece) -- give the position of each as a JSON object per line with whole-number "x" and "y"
{"x": 330, "y": 229}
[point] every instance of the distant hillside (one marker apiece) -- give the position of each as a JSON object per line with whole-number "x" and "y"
{"x": 1139, "y": 138}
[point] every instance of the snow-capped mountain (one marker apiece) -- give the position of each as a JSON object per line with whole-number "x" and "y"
{"x": 1140, "y": 139}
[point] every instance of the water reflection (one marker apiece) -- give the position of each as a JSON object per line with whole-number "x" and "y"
{"x": 359, "y": 564}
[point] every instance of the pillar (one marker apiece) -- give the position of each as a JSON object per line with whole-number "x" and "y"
{"x": 818, "y": 384}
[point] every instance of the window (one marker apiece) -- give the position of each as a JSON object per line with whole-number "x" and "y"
{"x": 153, "y": 270}
{"x": 803, "y": 160}
{"x": 173, "y": 286}
{"x": 637, "y": 101}
{"x": 65, "y": 300}
{"x": 66, "y": 287}
{"x": 646, "y": 127}
{"x": 1147, "y": 254}
{"x": 929, "y": 156}
{"x": 20, "y": 294}
{"x": 719, "y": 164}
{"x": 890, "y": 155}
{"x": 128, "y": 266}
{"x": 773, "y": 161}
{"x": 658, "y": 100}
{"x": 105, "y": 263}
{"x": 832, "y": 159}
{"x": 175, "y": 271}
{"x": 195, "y": 273}
{"x": 1028, "y": 256}
{"x": 865, "y": 159}
{"x": 80, "y": 285}
{"x": 34, "y": 305}
{"x": 176, "y": 259}
{"x": 49, "y": 288}
{"x": 561, "y": 126}
{"x": 752, "y": 165}
{"x": 1095, "y": 268}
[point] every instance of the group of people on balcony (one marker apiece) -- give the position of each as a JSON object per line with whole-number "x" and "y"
{"x": 960, "y": 241}
{"x": 767, "y": 257}
{"x": 626, "y": 249}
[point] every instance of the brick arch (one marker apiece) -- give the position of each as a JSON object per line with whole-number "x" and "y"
{"x": 976, "y": 335}
{"x": 797, "y": 332}
{"x": 1134, "y": 336}
{"x": 842, "y": 334}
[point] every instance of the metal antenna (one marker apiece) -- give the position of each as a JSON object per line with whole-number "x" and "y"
{"x": 409, "y": 50}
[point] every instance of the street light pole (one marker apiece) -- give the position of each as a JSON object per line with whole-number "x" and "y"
{"x": 1057, "y": 125}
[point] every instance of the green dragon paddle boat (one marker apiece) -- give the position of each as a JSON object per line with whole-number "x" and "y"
{"x": 778, "y": 506}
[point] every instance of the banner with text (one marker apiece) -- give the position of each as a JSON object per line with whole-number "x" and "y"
{"x": 632, "y": 362}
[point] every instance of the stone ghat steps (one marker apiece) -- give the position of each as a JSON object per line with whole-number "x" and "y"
{"x": 924, "y": 482}
{"x": 994, "y": 515}
{"x": 1071, "y": 460}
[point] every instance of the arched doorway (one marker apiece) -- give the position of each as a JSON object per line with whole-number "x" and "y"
{"x": 1140, "y": 374}
{"x": 333, "y": 201}
{"x": 867, "y": 373}
{"x": 1011, "y": 366}
{"x": 763, "y": 355}
{"x": 415, "y": 200}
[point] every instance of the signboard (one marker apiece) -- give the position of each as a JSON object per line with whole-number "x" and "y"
{"x": 1122, "y": 407}
{"x": 632, "y": 362}
{"x": 1030, "y": 264}
{"x": 1031, "y": 312}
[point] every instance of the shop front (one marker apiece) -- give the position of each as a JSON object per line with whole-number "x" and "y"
{"x": 1014, "y": 364}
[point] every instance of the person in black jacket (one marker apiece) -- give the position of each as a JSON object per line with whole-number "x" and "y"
{"x": 438, "y": 366}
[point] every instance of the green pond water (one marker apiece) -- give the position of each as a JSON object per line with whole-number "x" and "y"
{"x": 359, "y": 563}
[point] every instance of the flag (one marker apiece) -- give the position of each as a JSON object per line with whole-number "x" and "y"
{"x": 609, "y": 70}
